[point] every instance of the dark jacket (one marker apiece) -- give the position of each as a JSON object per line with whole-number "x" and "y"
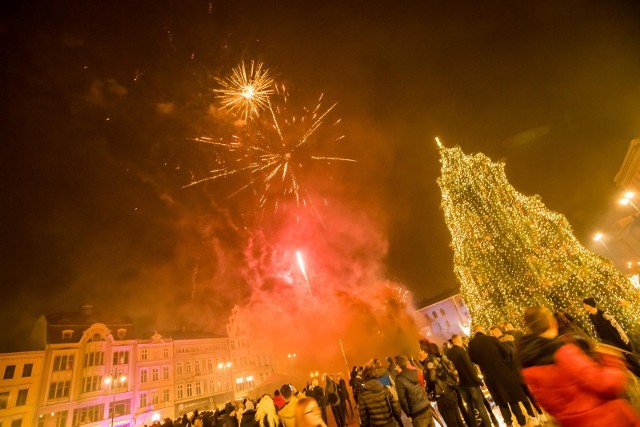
{"x": 609, "y": 330}
{"x": 497, "y": 370}
{"x": 577, "y": 390}
{"x": 466, "y": 371}
{"x": 412, "y": 397}
{"x": 248, "y": 418}
{"x": 377, "y": 407}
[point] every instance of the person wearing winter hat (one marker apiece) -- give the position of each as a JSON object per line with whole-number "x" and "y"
{"x": 607, "y": 327}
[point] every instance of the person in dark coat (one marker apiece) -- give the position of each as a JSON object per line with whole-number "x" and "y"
{"x": 358, "y": 383}
{"x": 249, "y": 415}
{"x": 578, "y": 390}
{"x": 411, "y": 395}
{"x": 607, "y": 327}
{"x": 501, "y": 379}
{"x": 470, "y": 383}
{"x": 333, "y": 397}
{"x": 442, "y": 378}
{"x": 344, "y": 395}
{"x": 376, "y": 405}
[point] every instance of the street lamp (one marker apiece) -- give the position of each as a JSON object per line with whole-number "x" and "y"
{"x": 114, "y": 379}
{"x": 627, "y": 200}
{"x": 225, "y": 366}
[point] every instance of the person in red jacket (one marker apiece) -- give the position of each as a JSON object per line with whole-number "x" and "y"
{"x": 578, "y": 390}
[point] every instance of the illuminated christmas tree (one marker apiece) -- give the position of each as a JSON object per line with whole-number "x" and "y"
{"x": 511, "y": 252}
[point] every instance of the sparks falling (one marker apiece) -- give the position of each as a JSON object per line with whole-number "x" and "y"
{"x": 246, "y": 91}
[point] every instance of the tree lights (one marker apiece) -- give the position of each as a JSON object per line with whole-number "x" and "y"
{"x": 511, "y": 252}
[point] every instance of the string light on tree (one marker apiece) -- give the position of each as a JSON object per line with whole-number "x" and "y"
{"x": 511, "y": 252}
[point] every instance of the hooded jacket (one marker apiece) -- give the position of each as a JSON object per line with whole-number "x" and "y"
{"x": 376, "y": 405}
{"x": 412, "y": 396}
{"x": 575, "y": 389}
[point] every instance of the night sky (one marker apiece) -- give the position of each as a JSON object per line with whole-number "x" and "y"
{"x": 99, "y": 100}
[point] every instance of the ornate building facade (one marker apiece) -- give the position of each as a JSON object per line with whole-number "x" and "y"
{"x": 95, "y": 370}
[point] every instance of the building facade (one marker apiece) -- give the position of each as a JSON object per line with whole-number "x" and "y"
{"x": 444, "y": 317}
{"x": 94, "y": 370}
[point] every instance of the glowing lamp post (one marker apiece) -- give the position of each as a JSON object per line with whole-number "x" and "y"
{"x": 113, "y": 380}
{"x": 627, "y": 200}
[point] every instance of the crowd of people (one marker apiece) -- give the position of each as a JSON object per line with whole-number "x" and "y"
{"x": 552, "y": 367}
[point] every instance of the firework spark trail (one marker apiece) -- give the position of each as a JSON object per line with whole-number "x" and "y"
{"x": 246, "y": 91}
{"x": 303, "y": 270}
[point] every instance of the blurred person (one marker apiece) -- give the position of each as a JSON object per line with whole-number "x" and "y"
{"x": 317, "y": 393}
{"x": 288, "y": 412}
{"x": 266, "y": 415}
{"x": 537, "y": 416}
{"x": 574, "y": 388}
{"x": 411, "y": 395}
{"x": 510, "y": 330}
{"x": 607, "y": 327}
{"x": 377, "y": 406}
{"x": 343, "y": 391}
{"x": 470, "y": 384}
{"x": 358, "y": 384}
{"x": 501, "y": 379}
{"x": 308, "y": 413}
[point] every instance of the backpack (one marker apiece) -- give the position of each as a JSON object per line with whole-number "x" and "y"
{"x": 446, "y": 376}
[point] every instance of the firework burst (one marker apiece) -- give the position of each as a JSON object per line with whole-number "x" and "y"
{"x": 246, "y": 91}
{"x": 274, "y": 155}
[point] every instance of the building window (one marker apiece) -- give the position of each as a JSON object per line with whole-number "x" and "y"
{"x": 4, "y": 400}
{"x": 154, "y": 397}
{"x": 210, "y": 365}
{"x": 26, "y": 370}
{"x": 96, "y": 338}
{"x": 143, "y": 376}
{"x": 144, "y": 354}
{"x": 197, "y": 366}
{"x": 22, "y": 397}
{"x": 16, "y": 423}
{"x": 95, "y": 358}
{"x": 165, "y": 372}
{"x": 143, "y": 400}
{"x": 166, "y": 395}
{"x": 88, "y": 414}
{"x": 60, "y": 389}
{"x": 91, "y": 384}
{"x": 67, "y": 335}
{"x": 447, "y": 324}
{"x": 179, "y": 369}
{"x": 63, "y": 363}
{"x": 155, "y": 374}
{"x": 198, "y": 388}
{"x": 444, "y": 313}
{"x": 122, "y": 407}
{"x": 180, "y": 391}
{"x": 9, "y": 370}
{"x": 122, "y": 333}
{"x": 434, "y": 314}
{"x": 165, "y": 353}
{"x": 187, "y": 367}
{"x": 189, "y": 390}
{"x": 121, "y": 358}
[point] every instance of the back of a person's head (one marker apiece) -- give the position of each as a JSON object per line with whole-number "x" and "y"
{"x": 433, "y": 349}
{"x": 276, "y": 392}
{"x": 376, "y": 363}
{"x": 315, "y": 382}
{"x": 537, "y": 320}
{"x": 369, "y": 373}
{"x": 286, "y": 391}
{"x": 455, "y": 339}
{"x": 401, "y": 361}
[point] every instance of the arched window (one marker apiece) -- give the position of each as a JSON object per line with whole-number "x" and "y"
{"x": 122, "y": 333}
{"x": 179, "y": 368}
{"x": 187, "y": 367}
{"x": 444, "y": 313}
{"x": 434, "y": 314}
